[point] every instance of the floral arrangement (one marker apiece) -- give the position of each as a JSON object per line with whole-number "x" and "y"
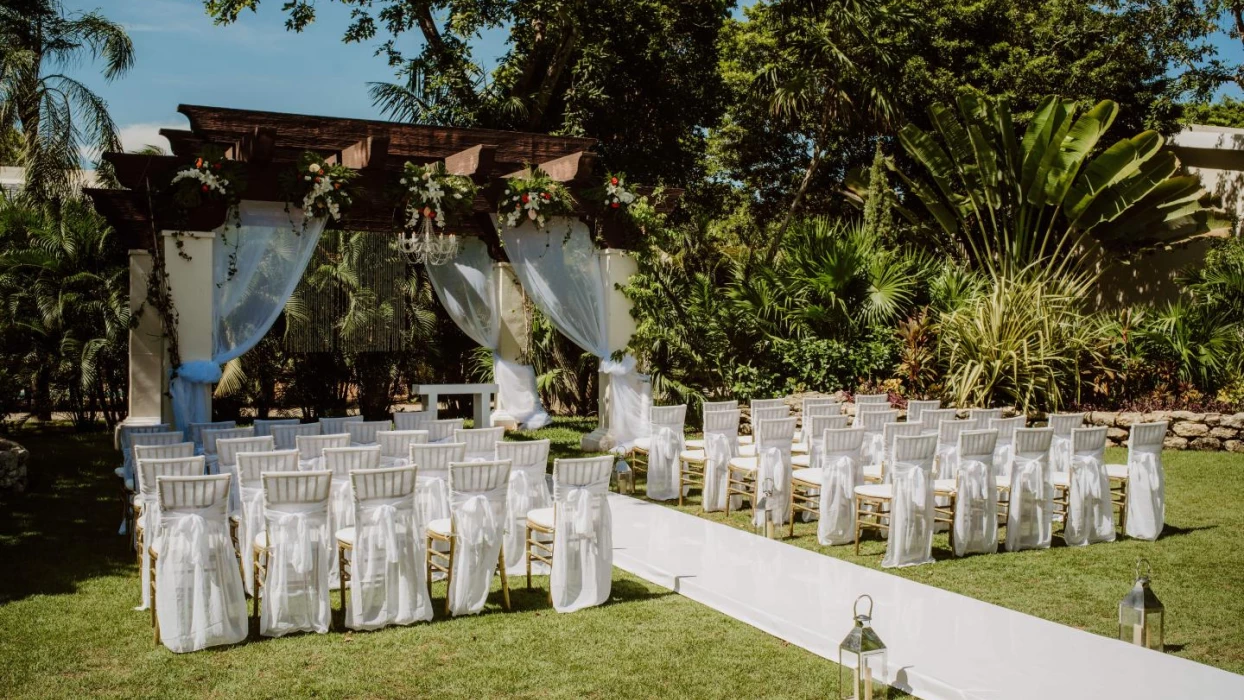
{"x": 534, "y": 197}
{"x": 433, "y": 196}
{"x": 211, "y": 178}
{"x": 616, "y": 194}
{"x": 321, "y": 188}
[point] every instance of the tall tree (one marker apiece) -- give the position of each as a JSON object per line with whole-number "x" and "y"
{"x": 57, "y": 115}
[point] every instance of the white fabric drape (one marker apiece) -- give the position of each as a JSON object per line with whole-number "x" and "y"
{"x": 199, "y": 597}
{"x": 840, "y": 474}
{"x": 772, "y": 473}
{"x": 562, "y": 274}
{"x": 1146, "y": 495}
{"x": 583, "y": 548}
{"x": 529, "y": 490}
{"x": 663, "y": 465}
{"x": 1060, "y": 454}
{"x": 479, "y": 524}
{"x": 1090, "y": 511}
{"x": 250, "y": 523}
{"x": 911, "y": 517}
{"x": 719, "y": 449}
{"x": 388, "y": 573}
{"x": 467, "y": 287}
{"x": 255, "y": 270}
{"x": 1031, "y": 505}
{"x": 301, "y": 552}
{"x": 976, "y": 509}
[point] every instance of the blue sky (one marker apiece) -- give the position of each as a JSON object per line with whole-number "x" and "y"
{"x": 182, "y": 57}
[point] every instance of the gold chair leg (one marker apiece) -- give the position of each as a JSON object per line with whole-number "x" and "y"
{"x": 858, "y": 525}
{"x": 505, "y": 581}
{"x": 155, "y": 621}
{"x": 527, "y": 555}
{"x": 341, "y": 575}
{"x": 449, "y": 575}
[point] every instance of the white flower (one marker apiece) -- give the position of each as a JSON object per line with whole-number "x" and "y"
{"x": 314, "y": 167}
{"x": 403, "y": 181}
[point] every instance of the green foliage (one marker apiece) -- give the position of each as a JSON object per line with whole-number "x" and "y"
{"x": 1227, "y": 111}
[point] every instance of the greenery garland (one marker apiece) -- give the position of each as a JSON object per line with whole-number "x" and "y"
{"x": 533, "y": 196}
{"x": 319, "y": 188}
{"x": 430, "y": 192}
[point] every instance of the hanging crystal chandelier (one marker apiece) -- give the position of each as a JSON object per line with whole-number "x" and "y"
{"x": 424, "y": 245}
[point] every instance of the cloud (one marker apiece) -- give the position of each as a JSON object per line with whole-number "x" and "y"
{"x": 138, "y": 136}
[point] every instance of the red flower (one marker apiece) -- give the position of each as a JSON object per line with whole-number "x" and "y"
{"x": 545, "y": 195}
{"x": 217, "y": 166}
{"x": 525, "y": 198}
{"x": 198, "y": 163}
{"x": 336, "y": 185}
{"x": 613, "y": 180}
{"x": 317, "y": 179}
{"x": 204, "y": 188}
{"x": 614, "y": 205}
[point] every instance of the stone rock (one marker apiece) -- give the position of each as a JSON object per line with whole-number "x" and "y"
{"x": 1212, "y": 419}
{"x": 1234, "y": 445}
{"x": 1116, "y": 434}
{"x": 1205, "y": 443}
{"x": 1233, "y": 421}
{"x": 1175, "y": 443}
{"x": 13, "y": 461}
{"x": 1105, "y": 418}
{"x": 1128, "y": 418}
{"x": 1186, "y": 415}
{"x": 1223, "y": 433}
{"x": 1190, "y": 429}
{"x": 1155, "y": 416}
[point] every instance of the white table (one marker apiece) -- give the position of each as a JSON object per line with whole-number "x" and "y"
{"x": 482, "y": 398}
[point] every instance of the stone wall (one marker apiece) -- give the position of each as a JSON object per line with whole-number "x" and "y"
{"x": 13, "y": 459}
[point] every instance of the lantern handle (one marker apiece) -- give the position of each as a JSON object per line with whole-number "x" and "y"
{"x": 1141, "y": 561}
{"x": 855, "y": 612}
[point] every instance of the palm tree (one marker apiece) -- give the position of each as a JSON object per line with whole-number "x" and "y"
{"x": 57, "y": 115}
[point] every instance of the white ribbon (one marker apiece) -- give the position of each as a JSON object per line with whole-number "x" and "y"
{"x": 663, "y": 464}
{"x": 1086, "y": 471}
{"x": 768, "y": 469}
{"x": 301, "y": 551}
{"x": 717, "y": 453}
{"x": 190, "y": 526}
{"x": 947, "y": 461}
{"x": 919, "y": 484}
{"x": 478, "y": 526}
{"x": 1003, "y": 455}
{"x": 974, "y": 474}
{"x": 518, "y": 499}
{"x": 581, "y": 502}
{"x": 874, "y": 449}
{"x": 1145, "y": 497}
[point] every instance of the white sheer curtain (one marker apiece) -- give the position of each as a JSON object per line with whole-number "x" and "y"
{"x": 560, "y": 271}
{"x": 255, "y": 269}
{"x": 468, "y": 289}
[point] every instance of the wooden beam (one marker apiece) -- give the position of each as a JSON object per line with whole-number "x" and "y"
{"x": 573, "y": 167}
{"x": 476, "y": 160}
{"x": 257, "y": 146}
{"x": 369, "y": 152}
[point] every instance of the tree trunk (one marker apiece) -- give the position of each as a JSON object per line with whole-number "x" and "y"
{"x": 776, "y": 244}
{"x": 41, "y": 401}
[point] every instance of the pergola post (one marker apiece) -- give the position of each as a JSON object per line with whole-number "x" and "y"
{"x": 146, "y": 349}
{"x": 617, "y": 266}
{"x": 513, "y": 316}
{"x": 191, "y": 286}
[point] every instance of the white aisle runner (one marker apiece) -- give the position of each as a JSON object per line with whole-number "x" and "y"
{"x": 942, "y": 645}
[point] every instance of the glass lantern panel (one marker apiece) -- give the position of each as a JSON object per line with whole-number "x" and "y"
{"x": 1153, "y": 630}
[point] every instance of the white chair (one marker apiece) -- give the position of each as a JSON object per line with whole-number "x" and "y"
{"x": 413, "y": 420}
{"x": 807, "y": 433}
{"x": 341, "y": 461}
{"x": 168, "y": 451}
{"x": 758, "y": 404}
{"x": 481, "y": 443}
{"x": 710, "y": 406}
{"x": 1060, "y": 448}
{"x": 364, "y": 432}
{"x": 880, "y": 470}
{"x": 813, "y": 430}
{"x": 443, "y": 430}
{"x": 337, "y": 424}
{"x": 916, "y": 409}
{"x": 1082, "y": 494}
{"x": 163, "y": 438}
{"x": 286, "y": 436}
{"x": 1005, "y": 449}
{"x": 311, "y": 448}
{"x": 764, "y": 479}
{"x": 1030, "y": 496}
{"x": 821, "y": 406}
{"x": 381, "y": 559}
{"x": 980, "y": 417}
{"x": 147, "y": 502}
{"x": 758, "y": 416}
{"x": 947, "y": 461}
{"x": 212, "y": 436}
{"x": 263, "y": 426}
{"x": 974, "y": 493}
{"x": 125, "y": 472}
{"x": 227, "y": 450}
{"x": 861, "y": 399}
{"x": 294, "y": 554}
{"x": 827, "y": 490}
{"x": 580, "y": 526}
{"x": 395, "y": 446}
{"x": 931, "y": 419}
{"x": 248, "y": 471}
{"x": 904, "y": 508}
{"x": 706, "y": 466}
{"x": 196, "y": 431}
{"x": 873, "y": 423}
{"x": 661, "y": 452}
{"x": 529, "y": 490}
{"x": 474, "y": 534}
{"x": 196, "y": 586}
{"x": 1143, "y": 482}
{"x": 432, "y": 484}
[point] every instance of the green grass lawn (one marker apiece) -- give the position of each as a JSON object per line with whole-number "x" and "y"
{"x": 1198, "y": 563}
{"x": 67, "y": 627}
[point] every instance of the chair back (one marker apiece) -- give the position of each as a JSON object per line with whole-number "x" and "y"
{"x": 195, "y": 493}
{"x": 1089, "y": 442}
{"x": 312, "y": 446}
{"x": 863, "y": 408}
{"x": 980, "y": 417}
{"x": 171, "y": 437}
{"x": 286, "y": 436}
{"x": 396, "y": 443}
{"x": 672, "y": 417}
{"x": 841, "y": 442}
{"x": 296, "y": 490}
{"x": 337, "y": 424}
{"x": 470, "y": 478}
{"x": 1064, "y": 423}
{"x": 948, "y": 431}
{"x": 251, "y": 465}
{"x": 819, "y": 424}
{"x": 227, "y": 450}
{"x": 1031, "y": 443}
{"x": 978, "y": 446}
{"x": 213, "y": 435}
{"x": 916, "y": 449}
{"x": 151, "y": 470}
{"x": 480, "y": 441}
{"x": 383, "y": 485}
{"x": 343, "y": 460}
{"x": 434, "y": 459}
{"x": 724, "y": 421}
{"x": 443, "y": 430}
{"x": 874, "y": 421}
{"x": 1006, "y": 428}
{"x": 711, "y": 406}
{"x": 812, "y": 402}
{"x": 1146, "y": 437}
{"x": 779, "y": 433}
{"x": 761, "y": 415}
{"x": 196, "y": 430}
{"x": 758, "y": 404}
{"x": 872, "y": 398}
{"x": 263, "y": 426}
{"x": 128, "y": 431}
{"x": 364, "y": 432}
{"x": 171, "y": 451}
{"x": 932, "y": 419}
{"x": 916, "y": 409}
{"x": 413, "y": 420}
{"x": 581, "y": 472}
{"x": 526, "y": 454}
{"x": 890, "y": 431}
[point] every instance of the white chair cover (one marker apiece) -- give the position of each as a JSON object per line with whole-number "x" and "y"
{"x": 301, "y": 554}
{"x": 721, "y": 444}
{"x": 363, "y": 433}
{"x": 841, "y": 471}
{"x": 911, "y": 510}
{"x": 395, "y": 446}
{"x": 263, "y": 426}
{"x": 774, "y": 439}
{"x": 872, "y": 399}
{"x": 1090, "y": 510}
{"x": 147, "y": 439}
{"x": 668, "y": 442}
{"x": 413, "y": 420}
{"x": 1031, "y": 506}
{"x": 250, "y": 466}
{"x": 227, "y": 458}
{"x": 149, "y": 471}
{"x": 286, "y": 436}
{"x": 341, "y": 461}
{"x": 432, "y": 482}
{"x": 196, "y": 432}
{"x": 212, "y": 436}
{"x": 981, "y": 417}
{"x": 124, "y": 443}
{"x": 815, "y": 425}
{"x": 529, "y": 490}
{"x": 1060, "y": 446}
{"x": 1004, "y": 451}
{"x": 710, "y": 406}
{"x": 582, "y": 535}
{"x": 337, "y": 424}
{"x": 481, "y": 443}
{"x": 311, "y": 448}
{"x": 946, "y": 464}
{"x": 477, "y": 500}
{"x": 931, "y": 419}
{"x": 976, "y": 494}
{"x": 441, "y": 431}
{"x": 916, "y": 409}
{"x": 873, "y": 423}
{"x": 199, "y": 598}
{"x": 388, "y": 572}
{"x": 1146, "y": 481}
{"x": 761, "y": 404}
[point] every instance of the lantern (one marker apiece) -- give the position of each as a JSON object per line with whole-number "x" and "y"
{"x": 1142, "y": 618}
{"x": 864, "y": 652}
{"x": 765, "y": 526}
{"x": 624, "y": 477}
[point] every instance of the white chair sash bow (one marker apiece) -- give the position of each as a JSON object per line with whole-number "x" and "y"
{"x": 947, "y": 461}
{"x": 773, "y": 470}
{"x": 389, "y": 581}
{"x": 478, "y": 527}
{"x": 1146, "y": 496}
{"x": 976, "y": 509}
{"x": 1031, "y": 507}
{"x": 1090, "y": 513}
{"x": 582, "y": 548}
{"x": 199, "y": 596}
{"x": 910, "y": 539}
{"x": 528, "y": 491}
{"x": 839, "y": 478}
{"x": 300, "y": 557}
{"x": 1060, "y": 454}
{"x": 718, "y": 451}
{"x": 874, "y": 448}
{"x": 663, "y": 464}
